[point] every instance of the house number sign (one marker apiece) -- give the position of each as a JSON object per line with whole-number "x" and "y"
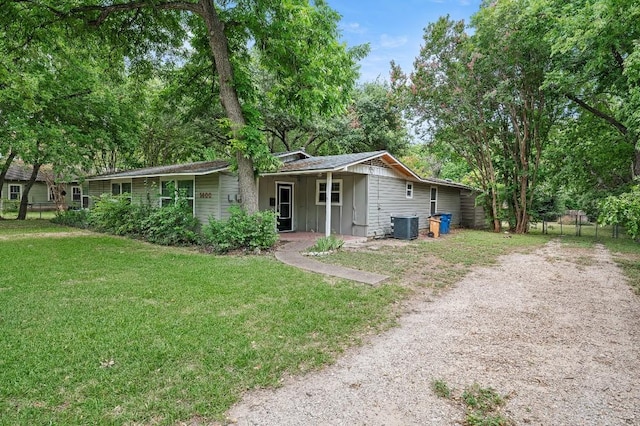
{"x": 205, "y": 195}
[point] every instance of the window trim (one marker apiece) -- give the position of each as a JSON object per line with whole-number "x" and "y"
{"x": 333, "y": 181}
{"x": 79, "y": 188}
{"x": 433, "y": 201}
{"x": 175, "y": 180}
{"x": 118, "y": 182}
{"x": 408, "y": 190}
{"x": 19, "y": 185}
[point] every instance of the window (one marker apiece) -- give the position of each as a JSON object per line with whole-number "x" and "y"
{"x": 336, "y": 192}
{"x": 15, "y": 192}
{"x": 409, "y": 190}
{"x": 119, "y": 188}
{"x": 76, "y": 194}
{"x": 433, "y": 200}
{"x": 52, "y": 195}
{"x": 171, "y": 189}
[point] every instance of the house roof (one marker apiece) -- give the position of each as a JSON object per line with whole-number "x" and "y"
{"x": 305, "y": 164}
{"x": 18, "y": 171}
{"x": 332, "y": 163}
{"x": 198, "y": 168}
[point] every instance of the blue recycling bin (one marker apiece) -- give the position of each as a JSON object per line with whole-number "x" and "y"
{"x": 445, "y": 222}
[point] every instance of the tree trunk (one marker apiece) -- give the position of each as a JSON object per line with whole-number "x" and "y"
{"x": 24, "y": 202}
{"x": 5, "y": 169}
{"x": 497, "y": 226}
{"x": 231, "y": 104}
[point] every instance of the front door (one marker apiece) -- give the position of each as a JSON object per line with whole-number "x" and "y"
{"x": 284, "y": 206}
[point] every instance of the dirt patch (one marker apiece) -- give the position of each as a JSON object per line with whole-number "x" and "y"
{"x": 559, "y": 338}
{"x": 44, "y": 235}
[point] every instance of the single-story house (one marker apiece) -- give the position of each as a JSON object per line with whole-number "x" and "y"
{"x": 41, "y": 195}
{"x": 364, "y": 191}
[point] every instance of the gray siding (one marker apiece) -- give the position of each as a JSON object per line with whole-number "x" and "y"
{"x": 210, "y": 193}
{"x": 207, "y": 200}
{"x": 347, "y": 219}
{"x": 387, "y": 197}
{"x": 37, "y": 194}
{"x": 472, "y": 216}
{"x": 144, "y": 190}
{"x": 449, "y": 202}
{"x": 228, "y": 191}
{"x": 97, "y": 188}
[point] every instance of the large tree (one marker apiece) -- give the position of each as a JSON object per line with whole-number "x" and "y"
{"x": 297, "y": 41}
{"x": 482, "y": 94}
{"x": 59, "y": 100}
{"x": 596, "y": 64}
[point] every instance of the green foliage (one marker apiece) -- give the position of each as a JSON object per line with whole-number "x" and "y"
{"x": 76, "y": 218}
{"x": 623, "y": 210}
{"x": 10, "y": 206}
{"x": 548, "y": 204}
{"x": 241, "y": 231}
{"x": 131, "y": 333}
{"x": 172, "y": 225}
{"x": 441, "y": 389}
{"x": 481, "y": 404}
{"x": 112, "y": 214}
{"x": 169, "y": 225}
{"x": 326, "y": 244}
{"x": 482, "y": 399}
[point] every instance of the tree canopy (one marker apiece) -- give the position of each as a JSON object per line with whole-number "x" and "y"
{"x": 297, "y": 43}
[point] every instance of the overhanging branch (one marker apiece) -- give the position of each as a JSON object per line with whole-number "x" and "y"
{"x": 609, "y": 119}
{"x": 105, "y": 11}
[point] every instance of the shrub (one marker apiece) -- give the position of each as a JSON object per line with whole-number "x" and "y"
{"x": 75, "y": 218}
{"x": 171, "y": 225}
{"x": 241, "y": 231}
{"x": 10, "y": 206}
{"x": 623, "y": 210}
{"x": 112, "y": 214}
{"x": 326, "y": 244}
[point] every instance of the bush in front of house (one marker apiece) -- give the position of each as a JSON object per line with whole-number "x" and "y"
{"x": 241, "y": 231}
{"x": 112, "y": 215}
{"x": 173, "y": 225}
{"x": 170, "y": 225}
{"x": 75, "y": 218}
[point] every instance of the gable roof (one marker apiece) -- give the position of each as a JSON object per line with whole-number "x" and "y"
{"x": 334, "y": 163}
{"x": 18, "y": 171}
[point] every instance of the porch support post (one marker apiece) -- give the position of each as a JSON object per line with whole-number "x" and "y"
{"x": 327, "y": 212}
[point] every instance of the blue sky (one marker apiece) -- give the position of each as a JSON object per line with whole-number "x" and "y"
{"x": 393, "y": 29}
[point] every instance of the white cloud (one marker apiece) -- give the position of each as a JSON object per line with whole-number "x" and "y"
{"x": 354, "y": 28}
{"x": 390, "y": 42}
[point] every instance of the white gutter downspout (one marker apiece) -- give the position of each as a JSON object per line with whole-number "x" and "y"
{"x": 327, "y": 212}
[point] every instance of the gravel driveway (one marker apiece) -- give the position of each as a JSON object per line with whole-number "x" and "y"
{"x": 556, "y": 331}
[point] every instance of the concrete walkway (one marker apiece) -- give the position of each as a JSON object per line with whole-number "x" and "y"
{"x": 290, "y": 254}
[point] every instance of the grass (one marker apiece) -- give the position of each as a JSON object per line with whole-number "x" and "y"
{"x": 44, "y": 215}
{"x": 104, "y": 330}
{"x": 435, "y": 263}
{"x": 32, "y": 226}
{"x": 584, "y": 230}
{"x": 482, "y": 405}
{"x": 626, "y": 254}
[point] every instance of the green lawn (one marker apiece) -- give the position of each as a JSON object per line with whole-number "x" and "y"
{"x": 103, "y": 330}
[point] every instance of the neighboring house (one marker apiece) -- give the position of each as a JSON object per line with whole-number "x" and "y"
{"x": 364, "y": 190}
{"x": 41, "y": 195}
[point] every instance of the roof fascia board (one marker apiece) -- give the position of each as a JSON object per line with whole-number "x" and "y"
{"x": 152, "y": 175}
